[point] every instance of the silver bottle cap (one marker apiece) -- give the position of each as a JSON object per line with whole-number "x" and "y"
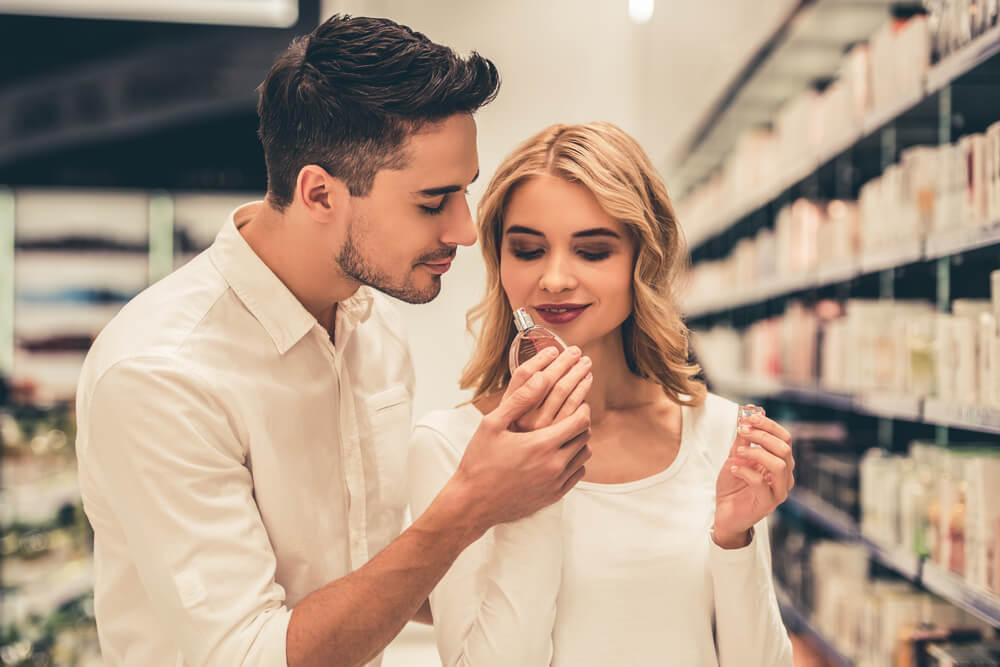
{"x": 522, "y": 320}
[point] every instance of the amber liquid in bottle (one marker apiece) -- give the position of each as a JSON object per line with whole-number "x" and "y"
{"x": 530, "y": 340}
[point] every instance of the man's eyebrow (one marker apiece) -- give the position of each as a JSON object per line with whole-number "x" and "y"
{"x": 444, "y": 189}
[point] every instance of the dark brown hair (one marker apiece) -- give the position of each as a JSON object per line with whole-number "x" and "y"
{"x": 347, "y": 96}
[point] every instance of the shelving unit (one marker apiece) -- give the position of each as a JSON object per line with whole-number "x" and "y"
{"x": 931, "y": 411}
{"x": 798, "y": 621}
{"x": 942, "y": 245}
{"x": 910, "y": 566}
{"x": 951, "y": 101}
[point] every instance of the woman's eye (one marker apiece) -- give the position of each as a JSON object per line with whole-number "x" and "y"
{"x": 527, "y": 254}
{"x": 595, "y": 256}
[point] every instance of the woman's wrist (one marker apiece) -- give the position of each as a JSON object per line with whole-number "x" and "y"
{"x": 738, "y": 540}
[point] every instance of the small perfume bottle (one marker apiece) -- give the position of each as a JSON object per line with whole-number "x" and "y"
{"x": 744, "y": 415}
{"x": 530, "y": 340}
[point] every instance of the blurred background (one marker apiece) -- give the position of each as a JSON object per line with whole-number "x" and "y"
{"x": 836, "y": 169}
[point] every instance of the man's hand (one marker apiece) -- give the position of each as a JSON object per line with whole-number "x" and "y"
{"x": 507, "y": 475}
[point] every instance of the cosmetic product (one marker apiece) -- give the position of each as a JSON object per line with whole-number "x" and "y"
{"x": 530, "y": 340}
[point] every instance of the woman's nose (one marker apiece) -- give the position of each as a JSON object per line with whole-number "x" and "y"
{"x": 557, "y": 276}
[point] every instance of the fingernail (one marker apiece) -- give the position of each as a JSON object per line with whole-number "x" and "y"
{"x": 589, "y": 378}
{"x": 732, "y": 468}
{"x": 586, "y": 361}
{"x": 745, "y": 428}
{"x": 741, "y": 450}
{"x": 551, "y": 352}
{"x": 575, "y": 351}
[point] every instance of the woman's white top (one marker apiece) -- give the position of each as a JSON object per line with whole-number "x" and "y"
{"x": 615, "y": 575}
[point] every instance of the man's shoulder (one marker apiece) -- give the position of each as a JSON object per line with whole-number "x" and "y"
{"x": 152, "y": 329}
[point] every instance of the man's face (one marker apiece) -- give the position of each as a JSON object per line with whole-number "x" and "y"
{"x": 403, "y": 235}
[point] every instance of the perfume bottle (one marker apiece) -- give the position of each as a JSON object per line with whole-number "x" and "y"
{"x": 744, "y": 415}
{"x": 530, "y": 340}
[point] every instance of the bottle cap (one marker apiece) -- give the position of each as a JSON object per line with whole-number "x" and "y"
{"x": 522, "y": 320}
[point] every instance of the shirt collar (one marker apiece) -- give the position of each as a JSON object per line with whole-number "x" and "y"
{"x": 267, "y": 298}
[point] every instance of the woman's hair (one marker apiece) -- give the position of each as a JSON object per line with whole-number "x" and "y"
{"x": 612, "y": 166}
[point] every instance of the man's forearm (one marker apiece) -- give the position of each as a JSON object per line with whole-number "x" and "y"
{"x": 351, "y": 620}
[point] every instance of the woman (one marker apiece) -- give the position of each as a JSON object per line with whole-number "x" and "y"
{"x": 660, "y": 556}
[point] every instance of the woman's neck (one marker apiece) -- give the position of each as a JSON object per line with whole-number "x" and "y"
{"x": 615, "y": 387}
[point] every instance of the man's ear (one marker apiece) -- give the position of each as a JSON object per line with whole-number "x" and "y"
{"x": 324, "y": 197}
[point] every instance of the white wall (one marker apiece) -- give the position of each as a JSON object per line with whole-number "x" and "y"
{"x": 567, "y": 61}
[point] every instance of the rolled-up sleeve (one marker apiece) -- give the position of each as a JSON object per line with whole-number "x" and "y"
{"x": 161, "y": 448}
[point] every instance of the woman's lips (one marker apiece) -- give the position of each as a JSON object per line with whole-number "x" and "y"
{"x": 560, "y": 313}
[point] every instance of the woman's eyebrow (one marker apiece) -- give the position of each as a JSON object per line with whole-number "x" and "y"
{"x": 521, "y": 229}
{"x": 597, "y": 231}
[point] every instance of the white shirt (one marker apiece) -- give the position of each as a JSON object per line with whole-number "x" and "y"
{"x": 233, "y": 460}
{"x": 615, "y": 574}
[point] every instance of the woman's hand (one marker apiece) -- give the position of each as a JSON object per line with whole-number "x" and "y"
{"x": 753, "y": 480}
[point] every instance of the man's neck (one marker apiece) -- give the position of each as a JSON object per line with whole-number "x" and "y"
{"x": 285, "y": 243}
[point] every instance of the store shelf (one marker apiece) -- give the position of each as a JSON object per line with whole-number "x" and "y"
{"x": 889, "y": 405}
{"x": 798, "y": 622}
{"x": 838, "y": 523}
{"x": 979, "y": 51}
{"x": 952, "y": 242}
{"x": 952, "y": 588}
{"x": 956, "y": 241}
{"x": 932, "y": 411}
{"x": 953, "y": 66}
{"x": 898, "y": 254}
{"x": 904, "y": 563}
{"x": 983, "y": 604}
{"x": 970, "y": 417}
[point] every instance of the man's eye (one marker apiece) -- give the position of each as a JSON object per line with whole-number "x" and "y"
{"x": 435, "y": 210}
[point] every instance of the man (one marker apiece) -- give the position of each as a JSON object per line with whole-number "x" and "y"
{"x": 243, "y": 423}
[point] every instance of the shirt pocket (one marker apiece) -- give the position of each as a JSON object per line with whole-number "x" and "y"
{"x": 390, "y": 416}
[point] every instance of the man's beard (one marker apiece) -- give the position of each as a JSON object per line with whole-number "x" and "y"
{"x": 355, "y": 266}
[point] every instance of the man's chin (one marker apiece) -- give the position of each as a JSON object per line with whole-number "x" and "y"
{"x": 413, "y": 294}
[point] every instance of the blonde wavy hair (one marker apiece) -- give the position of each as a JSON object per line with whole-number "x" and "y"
{"x": 612, "y": 166}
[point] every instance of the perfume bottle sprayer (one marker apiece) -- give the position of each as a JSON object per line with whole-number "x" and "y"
{"x": 530, "y": 340}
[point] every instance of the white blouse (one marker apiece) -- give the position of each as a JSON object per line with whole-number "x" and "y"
{"x": 615, "y": 574}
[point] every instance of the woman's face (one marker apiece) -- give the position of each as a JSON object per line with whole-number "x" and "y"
{"x": 566, "y": 260}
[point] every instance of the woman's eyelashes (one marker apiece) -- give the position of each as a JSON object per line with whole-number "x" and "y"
{"x": 589, "y": 254}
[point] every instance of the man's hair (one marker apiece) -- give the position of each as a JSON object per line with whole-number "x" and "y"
{"x": 347, "y": 96}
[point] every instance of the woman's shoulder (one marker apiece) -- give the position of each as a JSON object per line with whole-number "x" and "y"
{"x": 453, "y": 426}
{"x": 713, "y": 427}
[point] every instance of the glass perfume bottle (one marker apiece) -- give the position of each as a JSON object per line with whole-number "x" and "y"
{"x": 745, "y": 413}
{"x": 530, "y": 340}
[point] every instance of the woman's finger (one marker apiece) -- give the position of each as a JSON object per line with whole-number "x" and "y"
{"x": 747, "y": 474}
{"x": 764, "y": 423}
{"x": 771, "y": 443}
{"x": 775, "y": 469}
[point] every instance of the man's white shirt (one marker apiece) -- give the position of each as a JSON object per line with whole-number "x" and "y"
{"x": 233, "y": 459}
